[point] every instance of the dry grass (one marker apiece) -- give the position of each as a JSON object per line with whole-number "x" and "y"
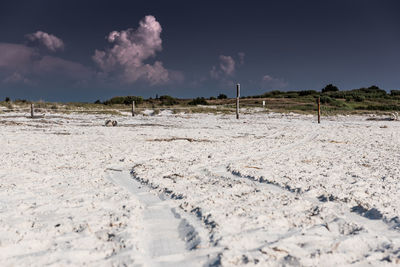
{"x": 226, "y": 106}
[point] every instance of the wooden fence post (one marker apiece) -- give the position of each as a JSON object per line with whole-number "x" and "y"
{"x": 133, "y": 108}
{"x": 319, "y": 109}
{"x": 237, "y": 100}
{"x": 32, "y": 112}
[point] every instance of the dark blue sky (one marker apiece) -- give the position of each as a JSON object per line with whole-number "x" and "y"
{"x": 47, "y": 48}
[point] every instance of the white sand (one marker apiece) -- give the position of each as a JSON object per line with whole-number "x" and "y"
{"x": 267, "y": 189}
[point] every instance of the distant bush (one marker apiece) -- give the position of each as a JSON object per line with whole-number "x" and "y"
{"x": 360, "y": 94}
{"x": 7, "y": 99}
{"x": 97, "y": 101}
{"x": 21, "y": 101}
{"x": 296, "y": 93}
{"x": 358, "y": 98}
{"x": 339, "y": 94}
{"x": 129, "y": 99}
{"x": 212, "y": 98}
{"x": 124, "y": 100}
{"x": 395, "y": 92}
{"x": 291, "y": 96}
{"x": 331, "y": 101}
{"x": 371, "y": 92}
{"x": 275, "y": 92}
{"x": 198, "y": 101}
{"x": 330, "y": 88}
{"x": 307, "y": 92}
{"x": 222, "y": 96}
{"x": 326, "y": 100}
{"x": 167, "y": 100}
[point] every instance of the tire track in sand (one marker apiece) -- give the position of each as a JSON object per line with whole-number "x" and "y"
{"x": 169, "y": 237}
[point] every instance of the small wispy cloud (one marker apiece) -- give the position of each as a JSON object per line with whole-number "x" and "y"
{"x": 241, "y": 57}
{"x": 15, "y": 56}
{"x": 16, "y": 77}
{"x": 51, "y": 42}
{"x": 22, "y": 64}
{"x": 226, "y": 67}
{"x": 269, "y": 82}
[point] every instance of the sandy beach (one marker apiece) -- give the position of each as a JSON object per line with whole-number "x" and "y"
{"x": 269, "y": 190}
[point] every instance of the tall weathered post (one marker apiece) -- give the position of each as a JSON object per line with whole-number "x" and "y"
{"x": 32, "y": 112}
{"x": 133, "y": 108}
{"x": 237, "y": 100}
{"x": 319, "y": 109}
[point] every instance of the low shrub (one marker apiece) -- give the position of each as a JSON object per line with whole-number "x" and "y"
{"x": 330, "y": 88}
{"x": 307, "y": 92}
{"x": 222, "y": 96}
{"x": 167, "y": 100}
{"x": 359, "y": 98}
{"x": 23, "y": 101}
{"x": 395, "y": 92}
{"x": 198, "y": 101}
{"x": 125, "y": 100}
{"x": 332, "y": 101}
{"x": 326, "y": 100}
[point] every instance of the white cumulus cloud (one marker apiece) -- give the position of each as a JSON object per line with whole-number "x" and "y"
{"x": 51, "y": 42}
{"x": 227, "y": 64}
{"x": 131, "y": 48}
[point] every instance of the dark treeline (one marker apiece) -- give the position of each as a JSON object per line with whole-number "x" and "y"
{"x": 372, "y": 92}
{"x": 328, "y": 92}
{"x": 365, "y": 98}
